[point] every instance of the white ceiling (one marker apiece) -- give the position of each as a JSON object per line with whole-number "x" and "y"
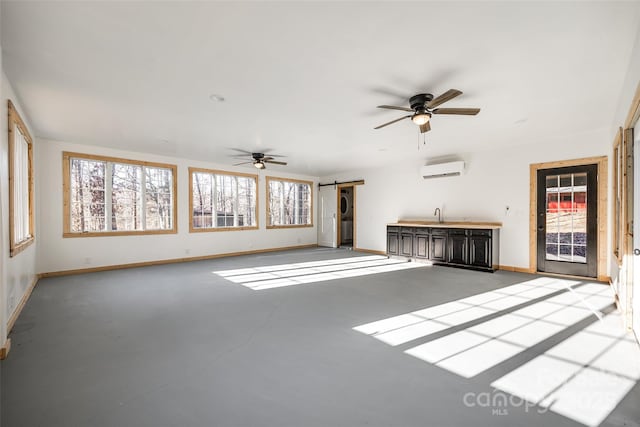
{"x": 303, "y": 78}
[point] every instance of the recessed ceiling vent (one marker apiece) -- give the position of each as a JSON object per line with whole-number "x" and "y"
{"x": 442, "y": 169}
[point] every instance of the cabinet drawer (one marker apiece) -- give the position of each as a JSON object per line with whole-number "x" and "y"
{"x": 481, "y": 233}
{"x": 423, "y": 230}
{"x": 392, "y": 229}
{"x": 439, "y": 231}
{"x": 457, "y": 231}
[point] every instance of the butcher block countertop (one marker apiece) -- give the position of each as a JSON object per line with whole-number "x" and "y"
{"x": 447, "y": 224}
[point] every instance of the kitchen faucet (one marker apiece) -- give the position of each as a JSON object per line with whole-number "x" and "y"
{"x": 437, "y": 212}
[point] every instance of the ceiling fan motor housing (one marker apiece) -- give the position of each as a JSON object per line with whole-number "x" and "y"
{"x": 418, "y": 102}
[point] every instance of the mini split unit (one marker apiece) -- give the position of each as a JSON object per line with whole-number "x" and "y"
{"x": 442, "y": 169}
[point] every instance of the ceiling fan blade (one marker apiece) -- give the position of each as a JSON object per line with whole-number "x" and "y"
{"x": 447, "y": 96}
{"x": 460, "y": 111}
{"x": 242, "y": 151}
{"x": 425, "y": 127}
{"x": 243, "y": 163}
{"x": 266, "y": 159}
{"x": 392, "y": 122}
{"x": 392, "y": 107}
{"x": 274, "y": 162}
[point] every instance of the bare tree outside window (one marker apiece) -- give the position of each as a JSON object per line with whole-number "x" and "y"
{"x": 111, "y": 196}
{"x": 222, "y": 201}
{"x": 289, "y": 203}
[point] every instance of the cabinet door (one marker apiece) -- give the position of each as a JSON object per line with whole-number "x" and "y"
{"x": 392, "y": 243}
{"x": 439, "y": 247}
{"x": 406, "y": 244}
{"x": 421, "y": 246}
{"x": 480, "y": 251}
{"x": 458, "y": 249}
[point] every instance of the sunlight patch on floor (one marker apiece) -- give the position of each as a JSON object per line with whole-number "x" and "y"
{"x": 417, "y": 324}
{"x": 276, "y": 276}
{"x": 583, "y": 377}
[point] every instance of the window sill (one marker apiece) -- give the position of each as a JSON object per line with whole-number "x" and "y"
{"x": 214, "y": 229}
{"x": 16, "y": 248}
{"x": 290, "y": 226}
{"x": 119, "y": 233}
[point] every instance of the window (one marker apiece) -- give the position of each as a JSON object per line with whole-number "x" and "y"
{"x": 109, "y": 196}
{"x": 289, "y": 203}
{"x": 21, "y": 224}
{"x": 222, "y": 201}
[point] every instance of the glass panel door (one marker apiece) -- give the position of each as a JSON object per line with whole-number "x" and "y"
{"x": 566, "y": 234}
{"x": 567, "y": 225}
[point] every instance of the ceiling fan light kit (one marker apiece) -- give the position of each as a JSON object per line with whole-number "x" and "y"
{"x": 421, "y": 118}
{"x": 259, "y": 160}
{"x": 423, "y": 106}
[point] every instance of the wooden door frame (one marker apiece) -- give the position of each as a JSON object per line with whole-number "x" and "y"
{"x": 355, "y": 185}
{"x": 601, "y": 162}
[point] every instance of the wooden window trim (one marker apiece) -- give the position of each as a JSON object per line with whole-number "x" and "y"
{"x": 192, "y": 229}
{"x": 66, "y": 203}
{"x": 601, "y": 161}
{"x": 15, "y": 119}
{"x": 617, "y": 205}
{"x": 268, "y": 193}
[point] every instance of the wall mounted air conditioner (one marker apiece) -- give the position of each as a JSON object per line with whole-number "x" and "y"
{"x": 442, "y": 169}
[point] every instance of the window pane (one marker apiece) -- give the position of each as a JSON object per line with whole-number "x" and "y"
{"x": 566, "y": 217}
{"x": 202, "y": 194}
{"x": 126, "y": 198}
{"x": 246, "y": 202}
{"x": 20, "y": 182}
{"x": 87, "y": 196}
{"x": 158, "y": 198}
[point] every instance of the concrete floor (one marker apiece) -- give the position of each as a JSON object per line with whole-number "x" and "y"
{"x": 177, "y": 345}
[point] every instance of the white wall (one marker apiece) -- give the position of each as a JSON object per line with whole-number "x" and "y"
{"x": 492, "y": 181}
{"x": 19, "y": 271}
{"x": 56, "y": 253}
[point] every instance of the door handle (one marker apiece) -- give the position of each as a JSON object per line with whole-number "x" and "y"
{"x": 636, "y": 252}
{"x": 540, "y": 228}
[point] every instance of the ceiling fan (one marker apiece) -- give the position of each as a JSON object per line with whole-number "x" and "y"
{"x": 423, "y": 106}
{"x": 258, "y": 160}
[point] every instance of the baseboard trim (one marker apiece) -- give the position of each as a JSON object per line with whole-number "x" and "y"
{"x": 369, "y": 251}
{"x": 168, "y": 261}
{"x": 16, "y": 313}
{"x": 603, "y": 279}
{"x": 515, "y": 269}
{"x": 4, "y": 350}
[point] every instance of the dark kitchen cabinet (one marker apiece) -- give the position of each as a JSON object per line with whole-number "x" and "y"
{"x": 406, "y": 243}
{"x": 457, "y": 247}
{"x": 480, "y": 251}
{"x": 393, "y": 238}
{"x": 438, "y": 247}
{"x": 421, "y": 249}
